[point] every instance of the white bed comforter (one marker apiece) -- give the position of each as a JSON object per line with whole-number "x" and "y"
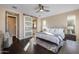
{"x": 50, "y": 37}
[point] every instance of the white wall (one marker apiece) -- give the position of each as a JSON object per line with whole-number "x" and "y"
{"x": 39, "y": 24}
{"x": 60, "y": 20}
{"x": 2, "y": 21}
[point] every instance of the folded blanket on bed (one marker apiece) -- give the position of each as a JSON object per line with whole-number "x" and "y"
{"x": 49, "y": 42}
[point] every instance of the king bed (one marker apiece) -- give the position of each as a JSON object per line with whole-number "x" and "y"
{"x": 51, "y": 39}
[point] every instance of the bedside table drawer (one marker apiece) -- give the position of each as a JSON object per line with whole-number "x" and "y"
{"x": 70, "y": 37}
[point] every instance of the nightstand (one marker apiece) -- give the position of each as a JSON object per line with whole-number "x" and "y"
{"x": 70, "y": 37}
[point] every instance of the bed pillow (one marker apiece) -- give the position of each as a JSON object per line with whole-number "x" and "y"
{"x": 46, "y": 29}
{"x": 57, "y": 31}
{"x": 52, "y": 31}
{"x": 60, "y": 32}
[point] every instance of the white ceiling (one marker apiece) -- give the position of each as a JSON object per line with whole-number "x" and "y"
{"x": 54, "y": 8}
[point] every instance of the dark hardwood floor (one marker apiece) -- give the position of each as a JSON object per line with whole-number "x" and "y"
{"x": 18, "y": 48}
{"x": 41, "y": 50}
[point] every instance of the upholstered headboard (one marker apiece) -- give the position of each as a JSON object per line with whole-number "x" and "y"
{"x": 56, "y": 27}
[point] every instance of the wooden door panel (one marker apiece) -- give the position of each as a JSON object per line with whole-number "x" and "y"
{"x": 12, "y": 25}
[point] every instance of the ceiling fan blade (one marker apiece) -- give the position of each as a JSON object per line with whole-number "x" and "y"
{"x": 39, "y": 5}
{"x": 41, "y": 8}
{"x": 47, "y": 10}
{"x": 37, "y": 11}
{"x": 36, "y": 8}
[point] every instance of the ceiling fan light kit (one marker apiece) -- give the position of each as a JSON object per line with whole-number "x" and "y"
{"x": 41, "y": 8}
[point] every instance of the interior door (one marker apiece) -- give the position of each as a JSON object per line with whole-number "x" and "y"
{"x": 12, "y": 25}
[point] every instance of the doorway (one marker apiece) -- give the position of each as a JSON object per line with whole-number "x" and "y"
{"x": 12, "y": 24}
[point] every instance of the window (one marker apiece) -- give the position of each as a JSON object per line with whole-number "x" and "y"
{"x": 71, "y": 24}
{"x": 44, "y": 25}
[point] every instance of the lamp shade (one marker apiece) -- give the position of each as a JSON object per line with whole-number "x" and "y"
{"x": 70, "y": 27}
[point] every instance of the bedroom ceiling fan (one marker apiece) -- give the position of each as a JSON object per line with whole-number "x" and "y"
{"x": 41, "y": 8}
